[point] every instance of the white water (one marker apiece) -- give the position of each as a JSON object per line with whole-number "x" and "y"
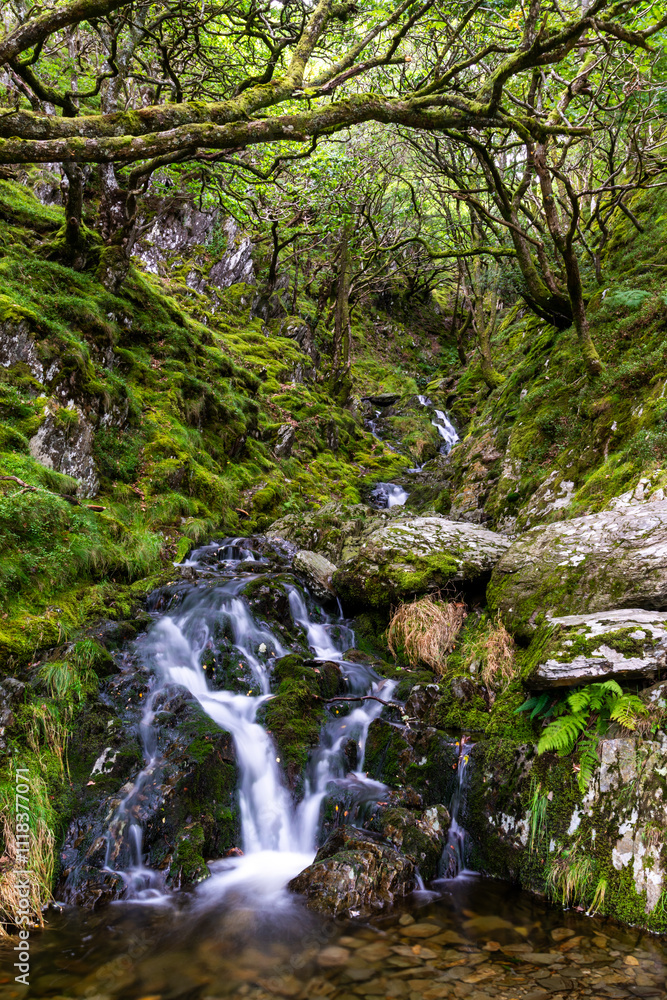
{"x": 443, "y": 425}
{"x": 279, "y": 838}
{"x": 389, "y": 495}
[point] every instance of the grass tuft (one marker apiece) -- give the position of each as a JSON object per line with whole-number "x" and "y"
{"x": 425, "y": 631}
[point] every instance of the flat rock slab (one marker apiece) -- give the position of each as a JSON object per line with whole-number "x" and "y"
{"x": 613, "y": 559}
{"x": 403, "y": 556}
{"x": 578, "y": 649}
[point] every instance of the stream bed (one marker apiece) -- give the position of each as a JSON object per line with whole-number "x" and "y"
{"x": 477, "y": 938}
{"x": 239, "y": 931}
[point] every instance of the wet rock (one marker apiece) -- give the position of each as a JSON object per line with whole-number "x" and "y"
{"x": 613, "y": 559}
{"x": 354, "y": 875}
{"x": 421, "y": 836}
{"x": 284, "y": 441}
{"x": 318, "y": 571}
{"x": 418, "y": 761}
{"x": 619, "y": 644}
{"x": 422, "y": 702}
{"x": 383, "y": 398}
{"x": 185, "y": 802}
{"x": 403, "y": 556}
{"x": 463, "y": 689}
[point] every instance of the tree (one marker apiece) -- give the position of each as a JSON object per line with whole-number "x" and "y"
{"x": 198, "y": 81}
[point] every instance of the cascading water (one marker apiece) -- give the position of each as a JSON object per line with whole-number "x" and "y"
{"x": 279, "y": 839}
{"x": 454, "y": 855}
{"x": 388, "y": 495}
{"x": 443, "y": 425}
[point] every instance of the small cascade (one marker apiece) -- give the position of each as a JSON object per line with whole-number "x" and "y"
{"x": 386, "y": 495}
{"x": 279, "y": 839}
{"x": 443, "y": 425}
{"x": 454, "y": 855}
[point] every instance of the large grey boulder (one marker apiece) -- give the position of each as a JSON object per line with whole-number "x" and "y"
{"x": 614, "y": 559}
{"x": 578, "y": 649}
{"x": 354, "y": 875}
{"x": 397, "y": 557}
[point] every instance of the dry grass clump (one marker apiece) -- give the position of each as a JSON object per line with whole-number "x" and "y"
{"x": 492, "y": 652}
{"x": 426, "y": 630}
{"x": 40, "y": 854}
{"x": 498, "y": 657}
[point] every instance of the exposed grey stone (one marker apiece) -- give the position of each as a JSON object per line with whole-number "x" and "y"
{"x": 285, "y": 441}
{"x": 17, "y": 344}
{"x": 11, "y": 694}
{"x": 318, "y": 571}
{"x": 463, "y": 689}
{"x": 179, "y": 228}
{"x": 398, "y": 556}
{"x": 67, "y": 447}
{"x": 614, "y": 559}
{"x": 632, "y": 643}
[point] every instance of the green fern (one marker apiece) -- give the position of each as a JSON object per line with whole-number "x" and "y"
{"x": 589, "y": 710}
{"x": 561, "y": 735}
{"x": 628, "y": 711}
{"x": 588, "y": 761}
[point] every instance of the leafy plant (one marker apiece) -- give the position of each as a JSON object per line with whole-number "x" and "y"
{"x": 569, "y": 876}
{"x": 537, "y": 824}
{"x": 581, "y": 718}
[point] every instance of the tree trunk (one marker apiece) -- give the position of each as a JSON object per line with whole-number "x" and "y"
{"x": 563, "y": 242}
{"x": 485, "y": 326}
{"x": 340, "y": 382}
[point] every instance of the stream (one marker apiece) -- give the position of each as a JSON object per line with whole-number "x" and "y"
{"x": 387, "y": 495}
{"x": 240, "y": 933}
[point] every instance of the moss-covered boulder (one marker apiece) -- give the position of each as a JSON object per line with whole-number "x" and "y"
{"x": 420, "y": 835}
{"x": 613, "y": 559}
{"x": 354, "y": 875}
{"x": 325, "y": 530}
{"x": 398, "y": 557}
{"x": 577, "y": 649}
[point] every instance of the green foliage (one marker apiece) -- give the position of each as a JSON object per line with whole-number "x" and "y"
{"x": 537, "y": 808}
{"x": 582, "y": 717}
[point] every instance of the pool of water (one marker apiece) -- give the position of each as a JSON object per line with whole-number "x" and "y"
{"x": 472, "y": 938}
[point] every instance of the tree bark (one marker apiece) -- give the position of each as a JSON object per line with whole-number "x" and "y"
{"x": 340, "y": 381}
{"x": 564, "y": 243}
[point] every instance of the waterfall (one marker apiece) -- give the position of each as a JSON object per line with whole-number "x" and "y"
{"x": 388, "y": 495}
{"x": 454, "y": 855}
{"x": 279, "y": 838}
{"x": 443, "y": 425}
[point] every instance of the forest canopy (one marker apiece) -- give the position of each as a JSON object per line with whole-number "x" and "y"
{"x": 497, "y": 131}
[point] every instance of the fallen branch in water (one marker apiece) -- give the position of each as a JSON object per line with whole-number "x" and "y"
{"x": 361, "y": 697}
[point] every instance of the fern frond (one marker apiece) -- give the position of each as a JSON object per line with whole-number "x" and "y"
{"x": 562, "y": 734}
{"x": 588, "y": 762}
{"x": 628, "y": 711}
